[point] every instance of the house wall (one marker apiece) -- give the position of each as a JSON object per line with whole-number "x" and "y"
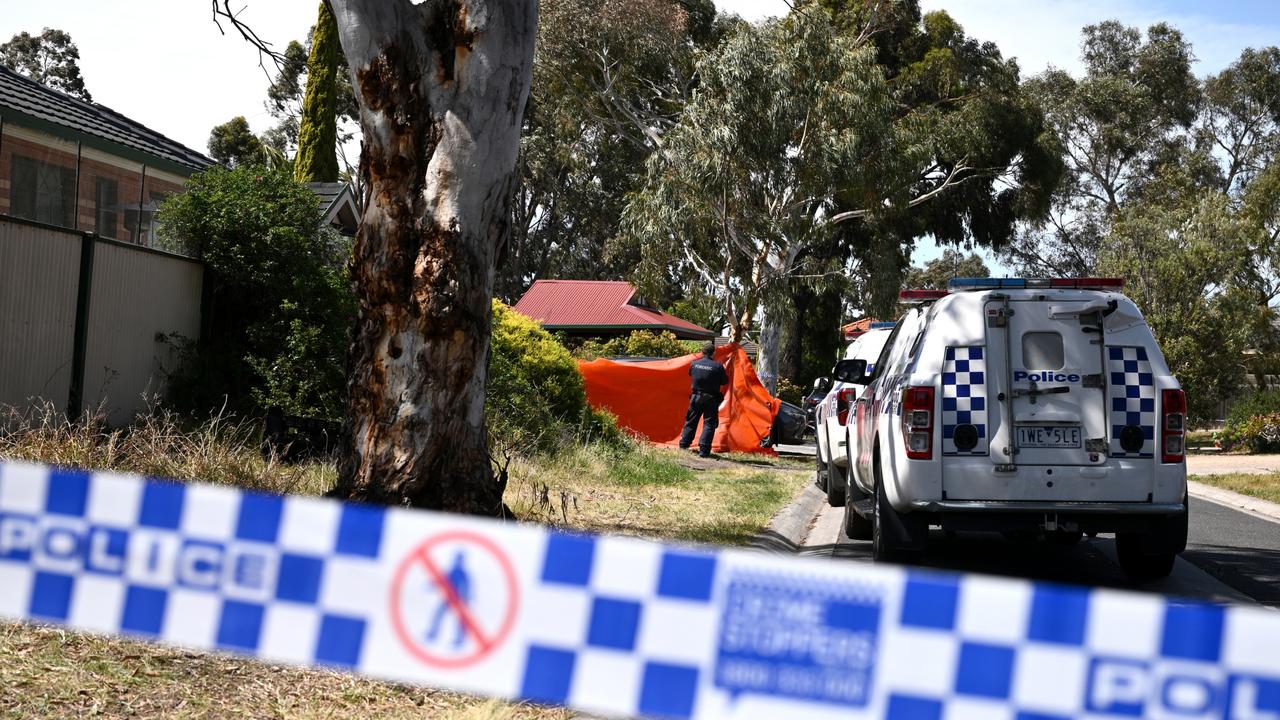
{"x": 137, "y": 299}
{"x": 98, "y": 192}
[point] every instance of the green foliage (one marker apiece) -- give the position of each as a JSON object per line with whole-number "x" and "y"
{"x": 639, "y": 343}
{"x": 1258, "y": 402}
{"x": 1178, "y": 252}
{"x": 535, "y": 396}
{"x": 50, "y": 58}
{"x": 233, "y": 144}
{"x": 278, "y": 302}
{"x": 1256, "y": 433}
{"x": 791, "y": 392}
{"x": 608, "y": 77}
{"x": 318, "y": 128}
{"x": 938, "y": 272}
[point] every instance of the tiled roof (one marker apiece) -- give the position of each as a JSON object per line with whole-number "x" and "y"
{"x": 598, "y": 304}
{"x": 30, "y": 98}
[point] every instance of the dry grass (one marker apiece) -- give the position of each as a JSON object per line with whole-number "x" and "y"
{"x": 48, "y": 672}
{"x": 1264, "y": 486}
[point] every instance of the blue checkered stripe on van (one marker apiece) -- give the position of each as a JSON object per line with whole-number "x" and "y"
{"x": 1133, "y": 398}
{"x": 964, "y": 397}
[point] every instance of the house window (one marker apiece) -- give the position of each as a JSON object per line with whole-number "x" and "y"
{"x": 42, "y": 192}
{"x": 107, "y": 198}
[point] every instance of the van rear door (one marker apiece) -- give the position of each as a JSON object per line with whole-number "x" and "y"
{"x": 1050, "y": 355}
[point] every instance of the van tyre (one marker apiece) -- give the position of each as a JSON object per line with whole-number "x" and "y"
{"x": 835, "y": 484}
{"x": 820, "y": 470}
{"x": 856, "y": 527}
{"x": 894, "y": 537}
{"x": 1150, "y": 555}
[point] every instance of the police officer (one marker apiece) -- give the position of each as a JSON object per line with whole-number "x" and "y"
{"x": 709, "y": 378}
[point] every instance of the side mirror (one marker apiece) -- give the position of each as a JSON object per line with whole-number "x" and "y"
{"x": 851, "y": 371}
{"x": 822, "y": 384}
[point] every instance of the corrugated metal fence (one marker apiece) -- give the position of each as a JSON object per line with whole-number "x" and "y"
{"x": 86, "y": 322}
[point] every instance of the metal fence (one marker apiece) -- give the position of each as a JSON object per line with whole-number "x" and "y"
{"x": 88, "y": 322}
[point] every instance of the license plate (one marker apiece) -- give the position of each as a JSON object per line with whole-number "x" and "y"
{"x": 1062, "y": 436}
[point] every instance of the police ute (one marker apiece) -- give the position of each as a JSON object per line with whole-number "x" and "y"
{"x": 833, "y": 410}
{"x": 1020, "y": 406}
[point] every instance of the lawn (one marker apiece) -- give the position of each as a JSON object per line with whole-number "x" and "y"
{"x": 1264, "y": 486}
{"x": 49, "y": 672}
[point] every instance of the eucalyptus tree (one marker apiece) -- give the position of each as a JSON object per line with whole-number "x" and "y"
{"x": 799, "y": 133}
{"x": 441, "y": 87}
{"x": 1137, "y": 101}
{"x": 50, "y": 58}
{"x": 609, "y": 78}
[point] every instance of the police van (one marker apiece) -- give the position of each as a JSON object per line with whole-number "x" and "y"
{"x": 1013, "y": 405}
{"x": 833, "y": 410}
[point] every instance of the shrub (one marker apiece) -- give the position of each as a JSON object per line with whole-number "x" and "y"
{"x": 640, "y": 343}
{"x": 1258, "y": 434}
{"x": 791, "y": 392}
{"x": 1258, "y": 402}
{"x": 278, "y": 301}
{"x": 535, "y": 396}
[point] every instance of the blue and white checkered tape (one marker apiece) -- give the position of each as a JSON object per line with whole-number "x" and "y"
{"x": 610, "y": 625}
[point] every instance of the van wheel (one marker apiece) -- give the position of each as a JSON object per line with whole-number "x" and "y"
{"x": 856, "y": 527}
{"x": 835, "y": 484}
{"x": 894, "y": 537}
{"x": 820, "y": 470}
{"x": 1150, "y": 555}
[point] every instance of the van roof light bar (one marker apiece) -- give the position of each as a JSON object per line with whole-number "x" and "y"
{"x": 881, "y": 325}
{"x": 920, "y": 297}
{"x": 1076, "y": 283}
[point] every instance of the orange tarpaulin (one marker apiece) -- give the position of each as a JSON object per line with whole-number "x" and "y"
{"x": 651, "y": 398}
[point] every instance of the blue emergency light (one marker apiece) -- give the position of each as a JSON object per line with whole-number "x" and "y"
{"x": 1076, "y": 283}
{"x": 881, "y": 325}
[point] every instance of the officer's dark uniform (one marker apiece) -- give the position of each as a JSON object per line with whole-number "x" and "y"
{"x": 704, "y": 403}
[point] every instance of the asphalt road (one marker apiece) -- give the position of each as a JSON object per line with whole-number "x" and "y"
{"x": 1232, "y": 556}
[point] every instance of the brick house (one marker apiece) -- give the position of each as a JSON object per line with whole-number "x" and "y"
{"x": 82, "y": 166}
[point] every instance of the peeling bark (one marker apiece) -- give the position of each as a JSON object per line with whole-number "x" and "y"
{"x": 442, "y": 86}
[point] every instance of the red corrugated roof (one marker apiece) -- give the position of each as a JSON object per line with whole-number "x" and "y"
{"x": 857, "y": 327}
{"x": 598, "y": 304}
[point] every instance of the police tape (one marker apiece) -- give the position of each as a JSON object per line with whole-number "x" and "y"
{"x": 610, "y": 625}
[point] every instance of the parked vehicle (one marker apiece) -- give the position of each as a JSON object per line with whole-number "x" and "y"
{"x": 788, "y": 426}
{"x": 832, "y": 411}
{"x": 1020, "y": 404}
{"x": 820, "y": 387}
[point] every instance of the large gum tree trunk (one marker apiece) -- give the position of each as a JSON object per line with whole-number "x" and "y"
{"x": 442, "y": 86}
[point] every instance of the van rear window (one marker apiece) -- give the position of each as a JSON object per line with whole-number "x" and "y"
{"x": 1042, "y": 351}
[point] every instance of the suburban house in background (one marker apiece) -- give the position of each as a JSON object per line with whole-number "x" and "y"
{"x": 89, "y": 307}
{"x": 81, "y": 166}
{"x": 338, "y": 205}
{"x": 853, "y": 330}
{"x": 600, "y": 308}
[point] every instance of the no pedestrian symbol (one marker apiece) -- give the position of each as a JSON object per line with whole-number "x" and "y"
{"x": 454, "y": 599}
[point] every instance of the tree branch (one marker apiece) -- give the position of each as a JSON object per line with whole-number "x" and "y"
{"x": 222, "y": 9}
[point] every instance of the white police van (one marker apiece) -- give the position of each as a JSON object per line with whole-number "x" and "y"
{"x": 1015, "y": 404}
{"x": 833, "y": 410}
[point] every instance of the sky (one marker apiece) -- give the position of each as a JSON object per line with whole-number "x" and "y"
{"x": 165, "y": 64}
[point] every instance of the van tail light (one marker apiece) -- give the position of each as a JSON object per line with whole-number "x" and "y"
{"x": 917, "y": 422}
{"x": 844, "y": 401}
{"x": 1173, "y": 426}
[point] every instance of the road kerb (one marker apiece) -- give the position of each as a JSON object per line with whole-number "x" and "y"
{"x": 1264, "y": 509}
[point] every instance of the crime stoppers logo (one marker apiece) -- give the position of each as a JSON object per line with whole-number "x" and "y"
{"x": 454, "y": 599}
